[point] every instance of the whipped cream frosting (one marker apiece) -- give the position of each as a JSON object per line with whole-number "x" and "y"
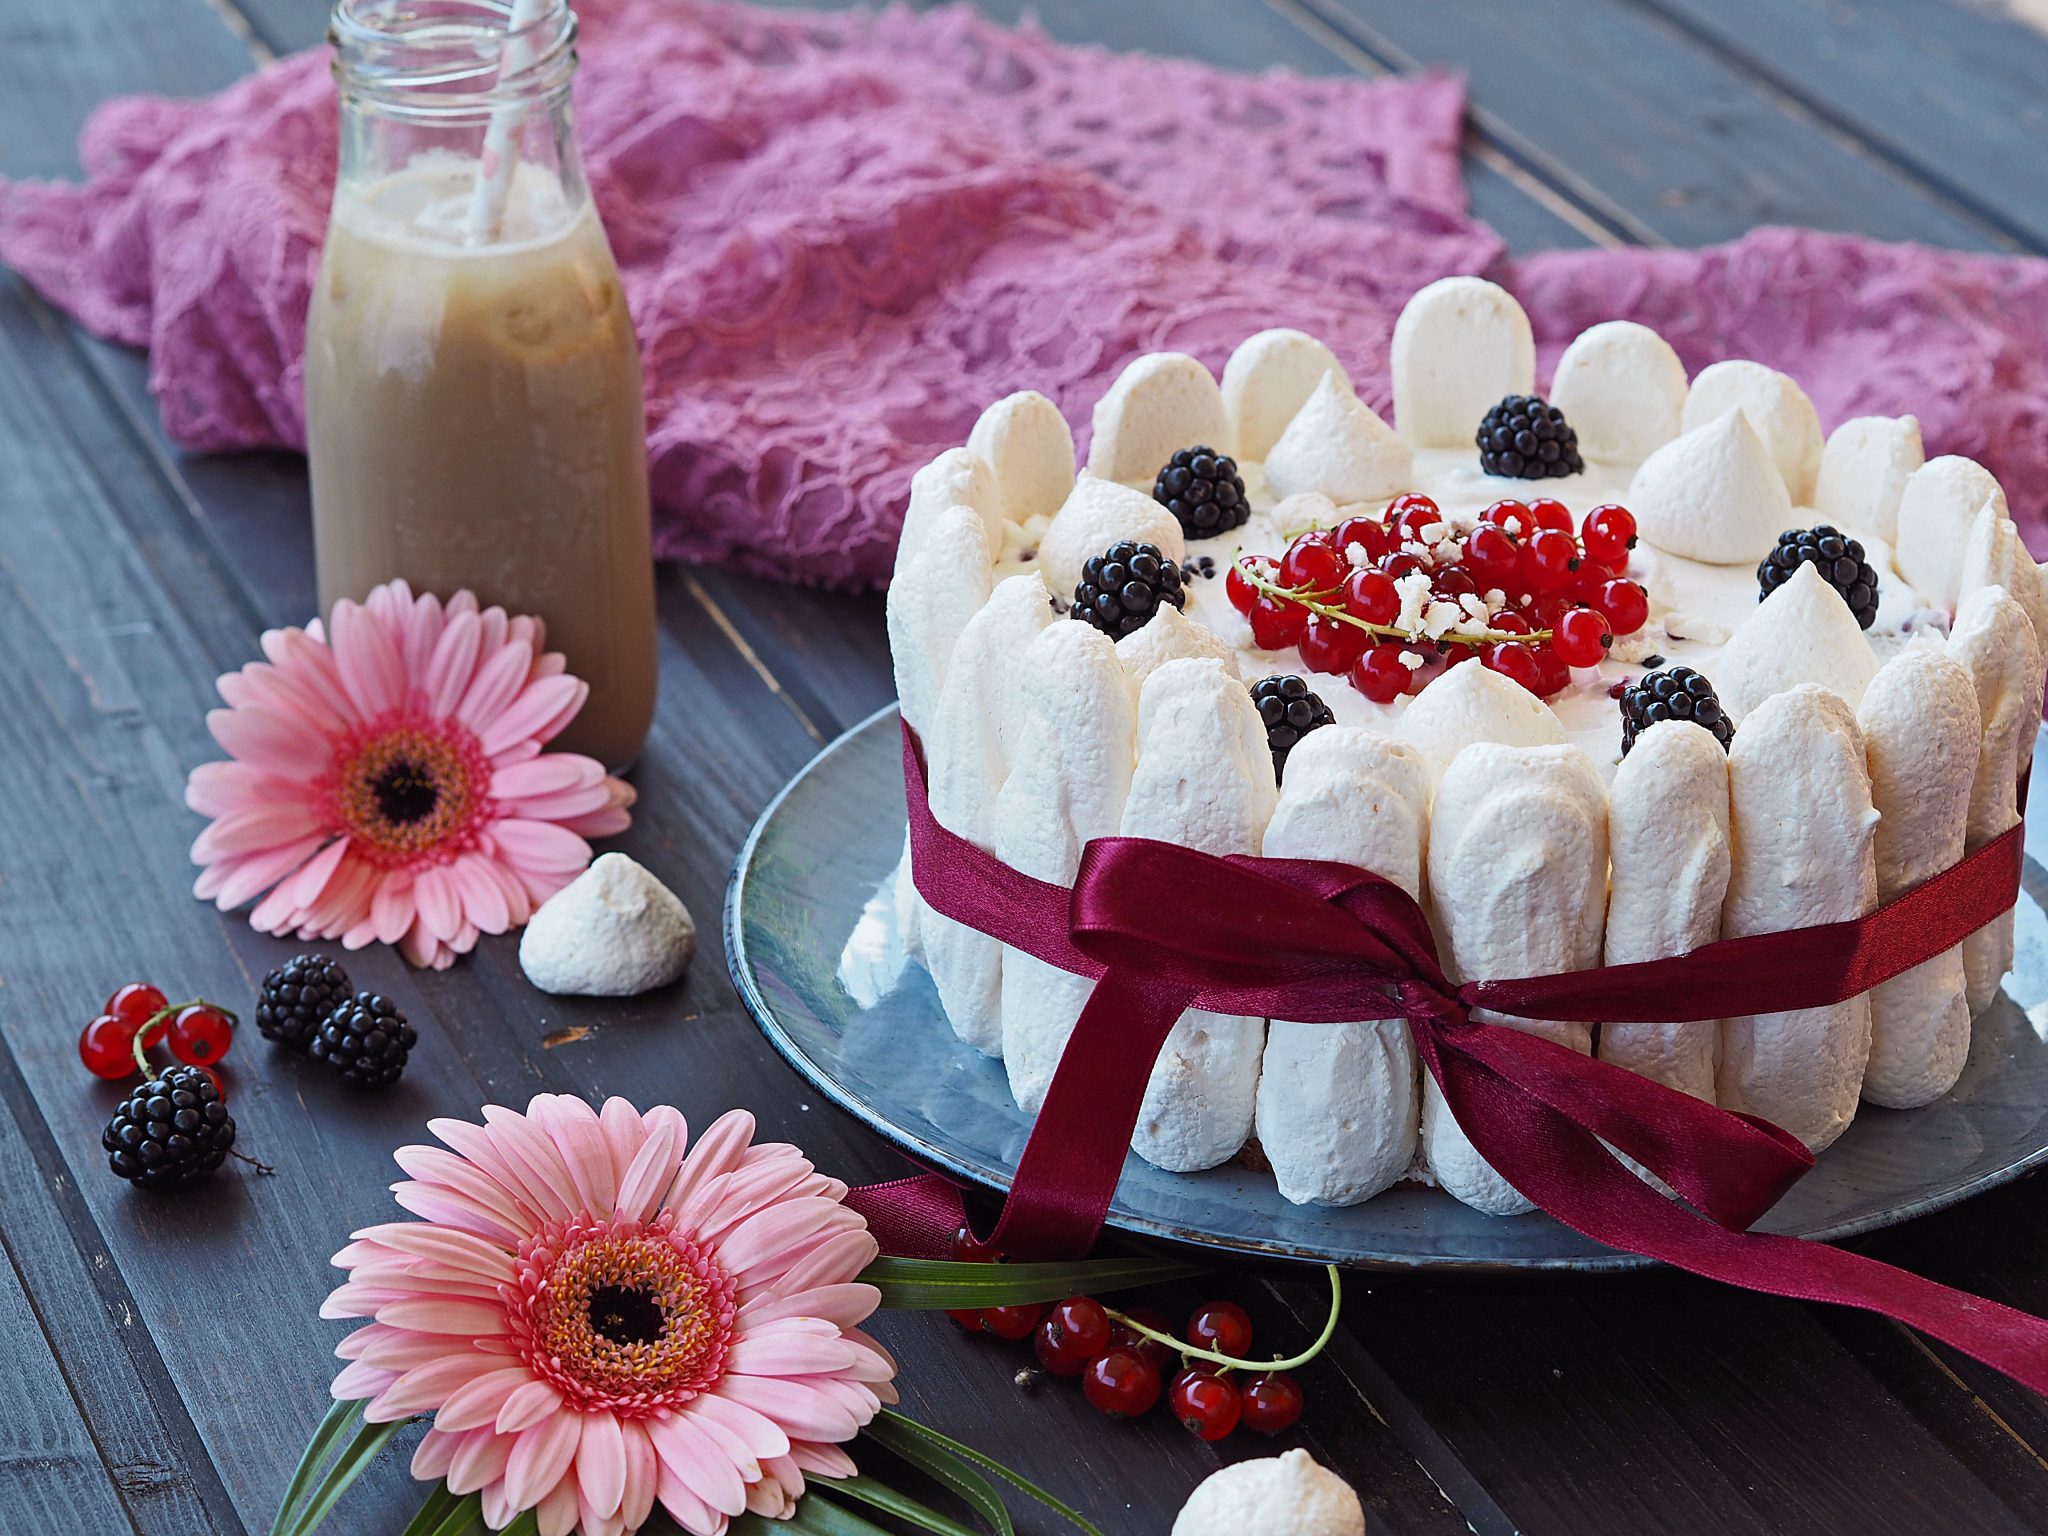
{"x": 1337, "y": 445}
{"x": 1775, "y": 406}
{"x": 1921, "y": 731}
{"x": 1029, "y": 451}
{"x": 1937, "y": 509}
{"x": 1802, "y": 633}
{"x": 1338, "y": 1104}
{"x": 1712, "y": 495}
{"x": 1799, "y": 802}
{"x": 1266, "y": 383}
{"x": 1863, "y": 473}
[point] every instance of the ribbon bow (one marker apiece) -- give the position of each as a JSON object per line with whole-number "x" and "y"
{"x": 1320, "y": 942}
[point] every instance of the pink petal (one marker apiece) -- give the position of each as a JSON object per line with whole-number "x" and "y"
{"x": 822, "y": 1460}
{"x": 572, "y": 1125}
{"x": 601, "y": 1462}
{"x": 253, "y": 827}
{"x": 804, "y": 1411}
{"x": 398, "y": 1349}
{"x": 845, "y": 1306}
{"x": 310, "y": 883}
{"x": 527, "y": 1149}
{"x": 528, "y": 1406}
{"x": 652, "y": 1170}
{"x": 392, "y": 909}
{"x": 530, "y": 713}
{"x": 215, "y": 789}
{"x": 790, "y": 1354}
{"x": 642, "y": 1474}
{"x": 371, "y": 669}
{"x": 729, "y": 1442}
{"x": 432, "y": 1203}
{"x": 483, "y": 899}
{"x": 421, "y": 633}
{"x": 572, "y": 706}
{"x": 695, "y": 1457}
{"x": 540, "y": 846}
{"x": 479, "y": 1460}
{"x": 431, "y": 1461}
{"x": 761, "y": 1435}
{"x": 425, "y": 1387}
{"x": 626, "y": 1132}
{"x": 443, "y": 1314}
{"x": 483, "y": 1175}
{"x": 718, "y": 1149}
{"x": 440, "y": 909}
{"x": 357, "y": 1380}
{"x": 556, "y": 1515}
{"x": 269, "y": 741}
{"x": 479, "y": 1400}
{"x": 243, "y": 877}
{"x": 770, "y": 1234}
{"x": 839, "y": 1258}
{"x": 498, "y": 680}
{"x": 547, "y": 774}
{"x": 690, "y": 1512}
{"x": 540, "y": 1456}
{"x": 487, "y": 1261}
{"x": 454, "y": 663}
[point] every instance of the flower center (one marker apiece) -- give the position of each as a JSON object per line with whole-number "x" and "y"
{"x": 410, "y": 790}
{"x": 620, "y": 1315}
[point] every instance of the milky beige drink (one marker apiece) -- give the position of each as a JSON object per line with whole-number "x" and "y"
{"x": 473, "y": 412}
{"x": 476, "y": 422}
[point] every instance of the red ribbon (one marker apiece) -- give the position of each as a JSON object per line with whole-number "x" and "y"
{"x": 1323, "y": 943}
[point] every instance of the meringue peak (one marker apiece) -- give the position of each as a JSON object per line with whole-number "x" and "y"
{"x": 1337, "y": 444}
{"x": 1802, "y": 633}
{"x": 1713, "y": 495}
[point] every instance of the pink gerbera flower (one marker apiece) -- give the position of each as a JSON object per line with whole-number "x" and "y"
{"x": 388, "y": 782}
{"x": 597, "y": 1321}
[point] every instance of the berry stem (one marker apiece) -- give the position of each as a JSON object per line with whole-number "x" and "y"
{"x": 1265, "y": 586}
{"x": 243, "y": 1157}
{"x": 1232, "y": 1362}
{"x": 161, "y": 1020}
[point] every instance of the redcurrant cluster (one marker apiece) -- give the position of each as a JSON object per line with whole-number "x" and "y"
{"x": 1520, "y": 592}
{"x": 115, "y": 1045}
{"x": 1123, "y": 1358}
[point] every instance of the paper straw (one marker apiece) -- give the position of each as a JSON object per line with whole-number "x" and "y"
{"x": 501, "y": 138}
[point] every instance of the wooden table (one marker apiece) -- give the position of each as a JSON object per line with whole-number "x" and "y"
{"x": 160, "y": 1360}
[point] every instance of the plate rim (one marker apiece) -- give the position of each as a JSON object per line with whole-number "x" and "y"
{"x": 1607, "y": 1262}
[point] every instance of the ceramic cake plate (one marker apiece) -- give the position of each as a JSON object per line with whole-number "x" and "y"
{"x": 811, "y": 940}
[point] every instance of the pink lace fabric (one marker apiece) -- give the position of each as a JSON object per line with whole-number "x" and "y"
{"x": 843, "y": 234}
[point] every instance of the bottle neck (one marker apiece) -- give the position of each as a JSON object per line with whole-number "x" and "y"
{"x": 449, "y": 91}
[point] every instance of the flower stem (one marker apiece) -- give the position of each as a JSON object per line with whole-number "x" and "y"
{"x": 1315, "y": 602}
{"x": 1231, "y": 1362}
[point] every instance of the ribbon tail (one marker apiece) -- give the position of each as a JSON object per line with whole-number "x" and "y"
{"x": 1734, "y": 1167}
{"x": 1070, "y": 1167}
{"x": 913, "y": 1218}
{"x": 1566, "y": 1170}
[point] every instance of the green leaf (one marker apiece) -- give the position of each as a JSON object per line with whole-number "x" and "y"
{"x": 527, "y": 1524}
{"x": 446, "y": 1513}
{"x": 968, "y": 1453}
{"x": 927, "y": 1285}
{"x": 340, "y": 1421}
{"x": 868, "y": 1491}
{"x": 816, "y": 1513}
{"x": 348, "y": 1466}
{"x": 966, "y": 1483}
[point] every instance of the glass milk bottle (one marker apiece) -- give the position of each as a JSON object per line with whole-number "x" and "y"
{"x": 473, "y": 410}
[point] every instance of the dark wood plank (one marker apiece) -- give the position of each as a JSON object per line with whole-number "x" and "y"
{"x": 1950, "y": 92}
{"x": 149, "y": 1450}
{"x": 1639, "y": 122}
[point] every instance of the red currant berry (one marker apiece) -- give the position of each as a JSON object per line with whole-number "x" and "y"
{"x": 1413, "y": 504}
{"x": 1205, "y": 1402}
{"x": 1398, "y": 565}
{"x": 134, "y": 1003}
{"x": 107, "y": 1047}
{"x": 1121, "y": 1383}
{"x": 1549, "y": 512}
{"x": 1458, "y": 655}
{"x": 1625, "y": 605}
{"x": 1072, "y": 1333}
{"x": 1452, "y": 581}
{"x": 969, "y": 1249}
{"x": 1380, "y": 674}
{"x": 1582, "y": 638}
{"x": 1511, "y": 515}
{"x": 1313, "y": 563}
{"x": 1553, "y": 676}
{"x": 1015, "y": 1322}
{"x": 1277, "y": 623}
{"x": 1271, "y": 1402}
{"x": 1237, "y": 586}
{"x": 1514, "y": 661}
{"x": 1609, "y": 533}
{"x": 200, "y": 1034}
{"x": 1221, "y": 1326}
{"x": 1122, "y": 1336}
{"x": 1331, "y": 645}
{"x": 1369, "y": 533}
{"x": 1548, "y": 560}
{"x": 1423, "y": 524}
{"x": 1370, "y": 595}
{"x": 1492, "y": 558}
{"x": 1508, "y": 622}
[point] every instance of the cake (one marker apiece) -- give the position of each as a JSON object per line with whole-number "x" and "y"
{"x": 1598, "y": 675}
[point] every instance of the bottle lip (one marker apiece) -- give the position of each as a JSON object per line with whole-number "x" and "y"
{"x": 443, "y": 57}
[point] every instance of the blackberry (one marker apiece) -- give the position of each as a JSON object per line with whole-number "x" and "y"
{"x": 1203, "y": 491}
{"x": 1839, "y": 560}
{"x": 1527, "y": 438}
{"x": 1121, "y": 588}
{"x": 366, "y": 1040}
{"x": 297, "y": 997}
{"x": 1675, "y": 693}
{"x": 170, "y": 1129}
{"x": 1290, "y": 711}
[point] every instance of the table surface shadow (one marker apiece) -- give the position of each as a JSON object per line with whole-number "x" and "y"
{"x": 161, "y": 1361}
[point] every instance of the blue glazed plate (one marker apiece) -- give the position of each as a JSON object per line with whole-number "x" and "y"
{"x": 811, "y": 940}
